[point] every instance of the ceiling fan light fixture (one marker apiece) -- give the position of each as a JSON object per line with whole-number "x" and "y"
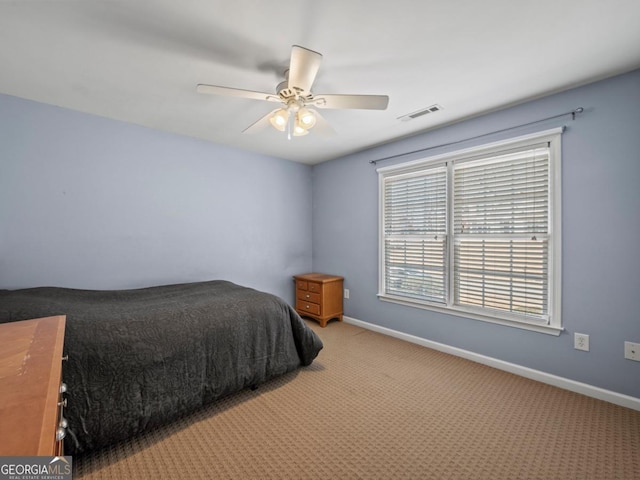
{"x": 306, "y": 118}
{"x": 279, "y": 119}
{"x": 299, "y": 130}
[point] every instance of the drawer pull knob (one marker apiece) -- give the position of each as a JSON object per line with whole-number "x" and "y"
{"x": 307, "y": 307}
{"x": 63, "y": 388}
{"x": 308, "y": 295}
{"x": 63, "y": 423}
{"x": 65, "y": 358}
{"x": 63, "y": 403}
{"x": 60, "y": 433}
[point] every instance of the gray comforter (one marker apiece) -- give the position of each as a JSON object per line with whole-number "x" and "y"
{"x": 141, "y": 358}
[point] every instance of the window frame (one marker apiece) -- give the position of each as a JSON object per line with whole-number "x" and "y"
{"x": 553, "y": 325}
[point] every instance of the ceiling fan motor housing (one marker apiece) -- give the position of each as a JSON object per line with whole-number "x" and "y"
{"x": 287, "y": 94}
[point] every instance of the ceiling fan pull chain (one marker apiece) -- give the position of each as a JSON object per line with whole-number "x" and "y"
{"x": 290, "y": 123}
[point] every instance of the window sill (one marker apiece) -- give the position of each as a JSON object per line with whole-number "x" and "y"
{"x": 535, "y": 327}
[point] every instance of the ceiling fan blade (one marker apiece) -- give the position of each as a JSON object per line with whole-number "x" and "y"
{"x": 261, "y": 124}
{"x": 303, "y": 68}
{"x": 364, "y": 102}
{"x": 236, "y": 92}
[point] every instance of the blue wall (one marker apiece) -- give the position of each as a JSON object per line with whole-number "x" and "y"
{"x": 601, "y": 234}
{"x": 87, "y": 202}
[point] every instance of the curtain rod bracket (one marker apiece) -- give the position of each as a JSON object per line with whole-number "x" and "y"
{"x": 577, "y": 110}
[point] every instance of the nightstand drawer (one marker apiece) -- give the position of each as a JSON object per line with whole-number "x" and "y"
{"x": 315, "y": 287}
{"x": 307, "y": 296}
{"x": 302, "y": 285}
{"x": 313, "y": 308}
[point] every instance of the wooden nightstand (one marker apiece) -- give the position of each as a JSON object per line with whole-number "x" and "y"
{"x": 319, "y": 296}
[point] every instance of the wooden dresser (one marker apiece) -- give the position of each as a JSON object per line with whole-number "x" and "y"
{"x": 319, "y": 296}
{"x": 31, "y": 421}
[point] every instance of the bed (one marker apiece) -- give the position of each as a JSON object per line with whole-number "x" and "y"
{"x": 141, "y": 358}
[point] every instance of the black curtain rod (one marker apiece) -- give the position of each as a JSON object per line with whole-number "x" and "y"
{"x": 573, "y": 114}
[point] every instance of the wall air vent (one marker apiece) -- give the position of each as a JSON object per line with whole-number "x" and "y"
{"x": 410, "y": 116}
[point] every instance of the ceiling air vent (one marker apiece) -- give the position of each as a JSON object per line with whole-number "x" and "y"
{"x": 410, "y": 116}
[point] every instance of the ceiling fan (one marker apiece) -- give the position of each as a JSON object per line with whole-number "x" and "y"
{"x": 296, "y": 115}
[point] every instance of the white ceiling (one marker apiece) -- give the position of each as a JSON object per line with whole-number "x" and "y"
{"x": 140, "y": 61}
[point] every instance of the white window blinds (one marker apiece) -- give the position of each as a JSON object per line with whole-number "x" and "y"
{"x": 476, "y": 232}
{"x": 415, "y": 235}
{"x": 501, "y": 222}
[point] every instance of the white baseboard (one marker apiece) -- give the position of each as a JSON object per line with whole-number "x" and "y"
{"x": 561, "y": 382}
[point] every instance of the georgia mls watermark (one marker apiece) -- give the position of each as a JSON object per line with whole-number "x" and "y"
{"x": 35, "y": 468}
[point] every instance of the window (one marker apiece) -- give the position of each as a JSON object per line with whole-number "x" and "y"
{"x": 476, "y": 232}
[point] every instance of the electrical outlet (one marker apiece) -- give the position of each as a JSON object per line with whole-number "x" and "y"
{"x": 632, "y": 351}
{"x": 346, "y": 293}
{"x": 581, "y": 341}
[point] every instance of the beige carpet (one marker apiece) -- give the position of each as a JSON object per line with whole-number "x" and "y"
{"x": 374, "y": 407}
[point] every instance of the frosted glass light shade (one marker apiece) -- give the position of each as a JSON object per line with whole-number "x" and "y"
{"x": 299, "y": 131}
{"x": 279, "y": 119}
{"x": 306, "y": 118}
